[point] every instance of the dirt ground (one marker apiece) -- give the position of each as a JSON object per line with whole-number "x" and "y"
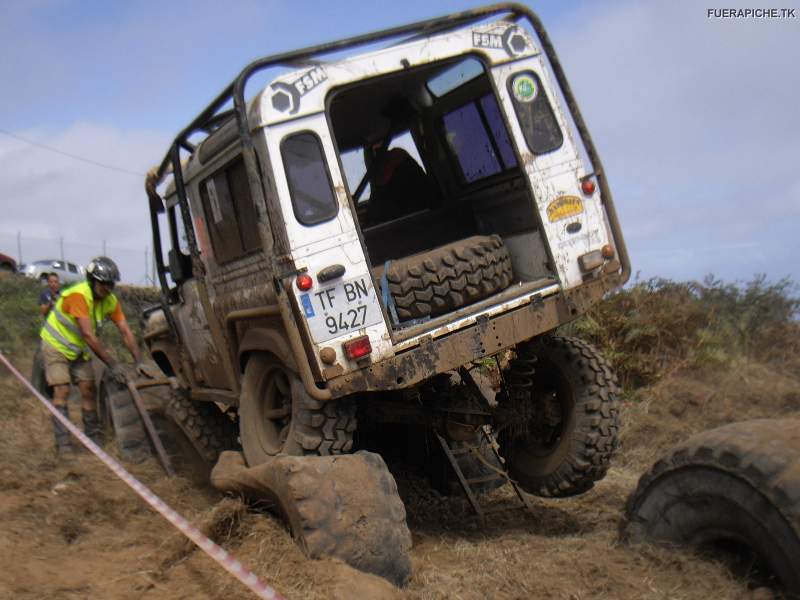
{"x": 70, "y": 531}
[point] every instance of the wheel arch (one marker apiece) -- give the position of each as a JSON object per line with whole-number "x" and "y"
{"x": 267, "y": 340}
{"x": 165, "y": 354}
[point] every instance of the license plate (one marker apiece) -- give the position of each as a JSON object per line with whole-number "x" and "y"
{"x": 340, "y": 309}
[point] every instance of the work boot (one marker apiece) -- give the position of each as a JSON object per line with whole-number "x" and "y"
{"x": 63, "y": 440}
{"x": 91, "y": 426}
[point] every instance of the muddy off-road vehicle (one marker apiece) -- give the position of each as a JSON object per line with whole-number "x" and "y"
{"x": 338, "y": 253}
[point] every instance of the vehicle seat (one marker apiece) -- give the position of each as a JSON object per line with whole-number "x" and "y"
{"x": 399, "y": 187}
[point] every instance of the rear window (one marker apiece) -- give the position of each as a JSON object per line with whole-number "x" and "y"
{"x": 536, "y": 117}
{"x": 479, "y": 139}
{"x": 309, "y": 182}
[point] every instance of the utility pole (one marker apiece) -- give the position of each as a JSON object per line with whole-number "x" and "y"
{"x": 19, "y": 247}
{"x": 61, "y": 244}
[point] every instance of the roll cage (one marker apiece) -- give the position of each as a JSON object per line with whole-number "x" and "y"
{"x": 213, "y": 117}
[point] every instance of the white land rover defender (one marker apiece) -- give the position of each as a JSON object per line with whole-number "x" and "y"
{"x": 338, "y": 252}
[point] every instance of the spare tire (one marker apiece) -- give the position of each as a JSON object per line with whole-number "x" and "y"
{"x": 449, "y": 277}
{"x": 734, "y": 488}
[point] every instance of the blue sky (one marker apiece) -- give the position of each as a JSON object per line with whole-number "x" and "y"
{"x": 696, "y": 119}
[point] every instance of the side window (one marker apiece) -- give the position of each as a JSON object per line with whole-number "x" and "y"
{"x": 309, "y": 182}
{"x": 229, "y": 212}
{"x": 72, "y": 268}
{"x": 478, "y": 137}
{"x": 57, "y": 264}
{"x": 536, "y": 117}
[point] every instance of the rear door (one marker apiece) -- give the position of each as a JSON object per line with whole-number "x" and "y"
{"x": 574, "y": 222}
{"x": 341, "y": 302}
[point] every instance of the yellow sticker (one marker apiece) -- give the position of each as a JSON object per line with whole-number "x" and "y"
{"x": 563, "y": 207}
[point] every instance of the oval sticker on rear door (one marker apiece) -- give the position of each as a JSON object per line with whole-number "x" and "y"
{"x": 524, "y": 88}
{"x": 563, "y": 207}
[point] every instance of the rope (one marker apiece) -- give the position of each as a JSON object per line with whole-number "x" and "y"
{"x": 219, "y": 554}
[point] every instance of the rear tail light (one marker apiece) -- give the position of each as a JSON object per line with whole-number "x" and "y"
{"x": 607, "y": 251}
{"x": 357, "y": 348}
{"x": 588, "y": 187}
{"x": 304, "y": 282}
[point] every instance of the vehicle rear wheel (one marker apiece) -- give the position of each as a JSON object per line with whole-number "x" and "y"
{"x": 734, "y": 489}
{"x": 564, "y": 398}
{"x": 277, "y": 416}
{"x": 449, "y": 277}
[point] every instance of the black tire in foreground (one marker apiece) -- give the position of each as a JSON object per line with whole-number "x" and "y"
{"x": 449, "y": 277}
{"x": 346, "y": 507}
{"x": 565, "y": 395}
{"x": 121, "y": 419}
{"x": 277, "y": 416}
{"x": 734, "y": 489}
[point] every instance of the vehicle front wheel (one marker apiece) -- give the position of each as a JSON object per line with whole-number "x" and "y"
{"x": 277, "y": 416}
{"x": 563, "y": 395}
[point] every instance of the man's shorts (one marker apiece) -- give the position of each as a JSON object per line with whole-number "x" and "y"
{"x": 61, "y": 371}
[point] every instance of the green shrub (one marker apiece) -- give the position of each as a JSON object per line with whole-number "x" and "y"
{"x": 656, "y": 326}
{"x": 20, "y": 320}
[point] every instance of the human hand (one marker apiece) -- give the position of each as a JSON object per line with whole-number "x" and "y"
{"x": 118, "y": 374}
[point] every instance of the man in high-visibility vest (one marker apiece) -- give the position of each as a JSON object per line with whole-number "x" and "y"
{"x": 68, "y": 334}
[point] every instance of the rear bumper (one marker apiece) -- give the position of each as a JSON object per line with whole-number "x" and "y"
{"x": 486, "y": 337}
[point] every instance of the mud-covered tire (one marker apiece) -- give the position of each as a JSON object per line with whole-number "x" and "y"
{"x": 569, "y": 457}
{"x": 314, "y": 427}
{"x": 206, "y": 427}
{"x": 449, "y": 277}
{"x": 120, "y": 418}
{"x": 737, "y": 484}
{"x": 346, "y": 507}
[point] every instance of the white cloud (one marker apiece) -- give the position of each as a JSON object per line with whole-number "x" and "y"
{"x": 695, "y": 119}
{"x": 48, "y": 197}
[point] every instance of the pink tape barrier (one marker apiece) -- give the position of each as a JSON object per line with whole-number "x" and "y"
{"x": 220, "y": 555}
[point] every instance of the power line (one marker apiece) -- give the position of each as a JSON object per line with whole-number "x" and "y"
{"x": 73, "y": 156}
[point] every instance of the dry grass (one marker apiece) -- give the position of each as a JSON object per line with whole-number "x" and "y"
{"x": 70, "y": 531}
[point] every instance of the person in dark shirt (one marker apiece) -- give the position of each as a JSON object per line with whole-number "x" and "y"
{"x": 49, "y": 295}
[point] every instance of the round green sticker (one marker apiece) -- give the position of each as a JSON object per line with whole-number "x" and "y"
{"x": 524, "y": 88}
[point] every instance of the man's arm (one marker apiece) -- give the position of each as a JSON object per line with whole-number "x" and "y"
{"x": 85, "y": 325}
{"x": 45, "y": 302}
{"x": 130, "y": 341}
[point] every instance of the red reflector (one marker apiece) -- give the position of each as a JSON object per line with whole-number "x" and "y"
{"x": 304, "y": 282}
{"x": 357, "y": 348}
{"x": 587, "y": 187}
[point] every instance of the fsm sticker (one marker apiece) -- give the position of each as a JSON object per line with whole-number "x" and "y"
{"x": 287, "y": 96}
{"x": 513, "y": 40}
{"x": 563, "y": 207}
{"x": 524, "y": 87}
